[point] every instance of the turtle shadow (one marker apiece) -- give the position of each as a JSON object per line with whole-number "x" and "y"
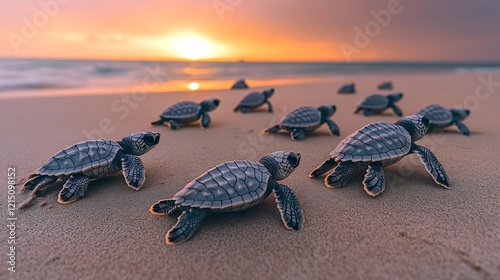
{"x": 438, "y": 131}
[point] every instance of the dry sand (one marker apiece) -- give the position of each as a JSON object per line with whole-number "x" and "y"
{"x": 414, "y": 230}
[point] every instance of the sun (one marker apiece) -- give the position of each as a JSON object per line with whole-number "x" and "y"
{"x": 193, "y": 47}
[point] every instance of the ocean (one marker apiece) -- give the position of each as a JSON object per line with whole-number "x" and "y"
{"x": 31, "y": 77}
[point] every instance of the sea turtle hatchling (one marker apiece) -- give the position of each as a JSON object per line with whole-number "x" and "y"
{"x": 377, "y": 103}
{"x": 255, "y": 100}
{"x": 306, "y": 119}
{"x": 378, "y": 145}
{"x": 94, "y": 159}
{"x": 233, "y": 186}
{"x": 188, "y": 112}
{"x": 441, "y": 117}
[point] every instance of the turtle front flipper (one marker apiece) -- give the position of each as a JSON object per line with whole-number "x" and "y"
{"x": 236, "y": 109}
{"x": 158, "y": 122}
{"x": 326, "y": 166}
{"x": 269, "y": 106}
{"x": 73, "y": 189}
{"x": 185, "y": 227}
{"x": 173, "y": 124}
{"x": 288, "y": 204}
{"x": 274, "y": 129}
{"x": 397, "y": 110}
{"x": 133, "y": 171}
{"x": 463, "y": 129}
{"x": 205, "y": 120}
{"x": 432, "y": 165}
{"x": 298, "y": 134}
{"x": 374, "y": 181}
{"x": 165, "y": 206}
{"x": 340, "y": 175}
{"x": 333, "y": 127}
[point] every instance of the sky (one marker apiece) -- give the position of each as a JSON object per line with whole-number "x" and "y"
{"x": 252, "y": 30}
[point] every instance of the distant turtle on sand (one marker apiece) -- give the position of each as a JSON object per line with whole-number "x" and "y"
{"x": 385, "y": 86}
{"x": 233, "y": 186}
{"x": 306, "y": 119}
{"x": 239, "y": 84}
{"x": 377, "y": 103}
{"x": 441, "y": 117}
{"x": 349, "y": 88}
{"x": 188, "y": 112}
{"x": 93, "y": 159}
{"x": 255, "y": 100}
{"x": 379, "y": 145}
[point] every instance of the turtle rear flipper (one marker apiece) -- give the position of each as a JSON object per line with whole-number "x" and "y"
{"x": 432, "y": 165}
{"x": 37, "y": 182}
{"x": 162, "y": 207}
{"x": 298, "y": 134}
{"x": 397, "y": 110}
{"x": 291, "y": 213}
{"x": 326, "y": 166}
{"x": 274, "y": 129}
{"x": 367, "y": 112}
{"x": 73, "y": 189}
{"x": 463, "y": 129}
{"x": 158, "y": 122}
{"x": 374, "y": 181}
{"x": 340, "y": 175}
{"x": 133, "y": 171}
{"x": 185, "y": 227}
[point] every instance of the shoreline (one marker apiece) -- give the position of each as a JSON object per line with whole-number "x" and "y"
{"x": 415, "y": 229}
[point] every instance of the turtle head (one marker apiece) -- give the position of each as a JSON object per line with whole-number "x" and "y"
{"x": 140, "y": 143}
{"x": 281, "y": 164}
{"x": 416, "y": 125}
{"x": 268, "y": 92}
{"x": 395, "y": 97}
{"x": 209, "y": 104}
{"x": 327, "y": 111}
{"x": 459, "y": 114}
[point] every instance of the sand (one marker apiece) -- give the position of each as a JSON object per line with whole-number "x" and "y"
{"x": 414, "y": 230}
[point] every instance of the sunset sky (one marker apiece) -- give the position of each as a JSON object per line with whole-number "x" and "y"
{"x": 253, "y": 30}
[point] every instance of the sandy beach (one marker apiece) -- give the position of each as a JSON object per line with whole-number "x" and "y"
{"x": 414, "y": 230}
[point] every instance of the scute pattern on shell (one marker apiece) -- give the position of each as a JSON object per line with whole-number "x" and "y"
{"x": 378, "y": 141}
{"x": 182, "y": 110}
{"x": 254, "y": 99}
{"x": 302, "y": 117}
{"x": 230, "y": 186}
{"x": 437, "y": 115}
{"x": 375, "y": 102}
{"x": 82, "y": 157}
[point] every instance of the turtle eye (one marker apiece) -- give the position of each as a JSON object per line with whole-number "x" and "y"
{"x": 294, "y": 160}
{"x": 149, "y": 139}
